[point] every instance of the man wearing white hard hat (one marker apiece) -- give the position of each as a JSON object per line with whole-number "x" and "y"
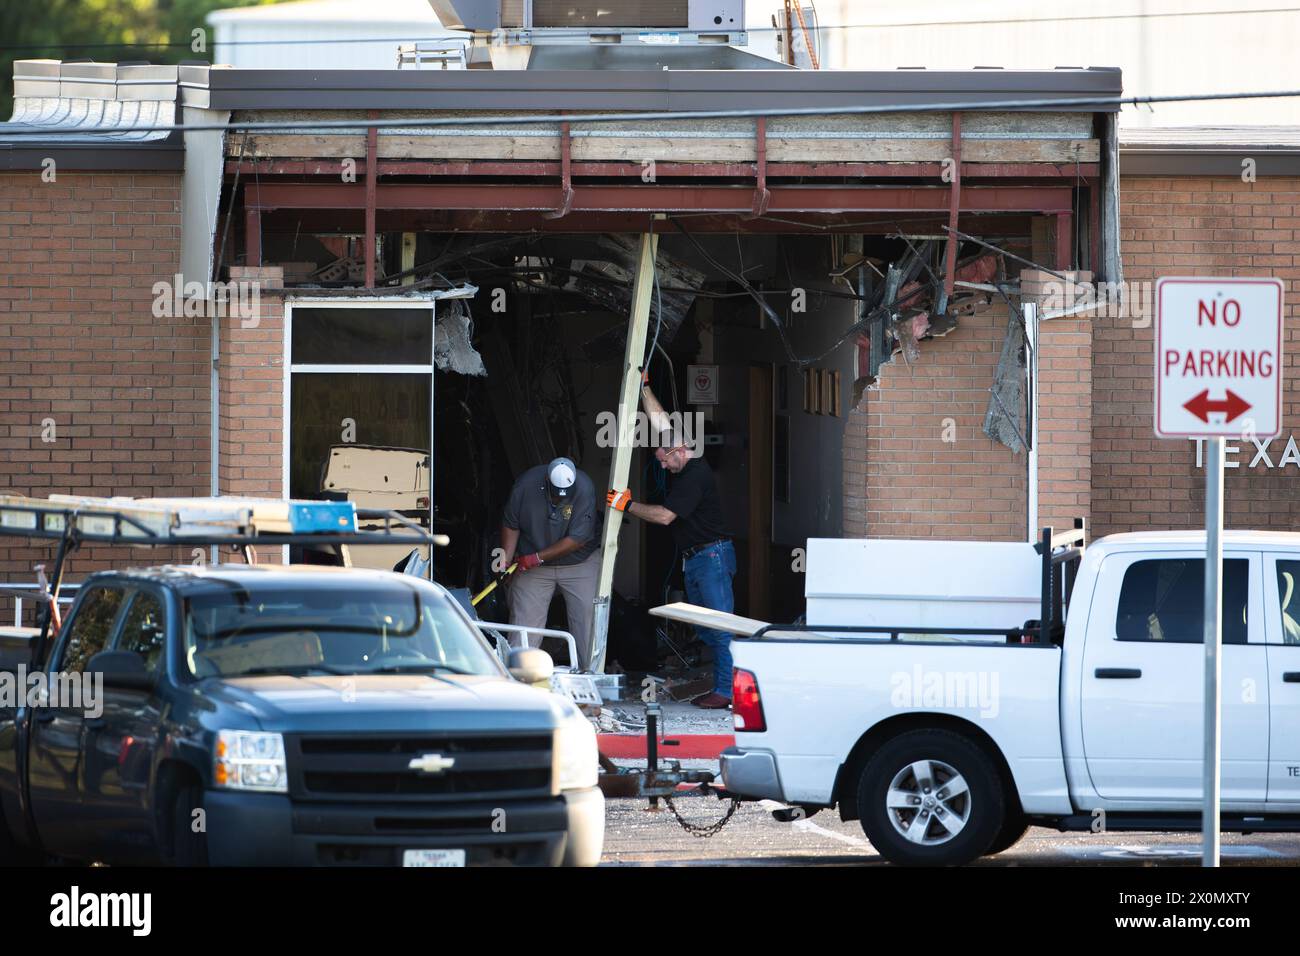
{"x": 550, "y": 528}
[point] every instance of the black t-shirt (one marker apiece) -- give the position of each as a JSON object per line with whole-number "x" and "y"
{"x": 693, "y": 497}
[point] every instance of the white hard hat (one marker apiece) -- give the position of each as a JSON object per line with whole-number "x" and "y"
{"x": 562, "y": 473}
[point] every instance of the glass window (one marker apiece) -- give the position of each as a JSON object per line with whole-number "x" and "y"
{"x": 1288, "y": 576}
{"x": 91, "y": 626}
{"x": 390, "y": 411}
{"x": 361, "y": 629}
{"x": 1164, "y": 600}
{"x": 142, "y": 630}
{"x": 362, "y": 337}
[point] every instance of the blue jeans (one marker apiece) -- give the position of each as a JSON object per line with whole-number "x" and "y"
{"x": 708, "y": 584}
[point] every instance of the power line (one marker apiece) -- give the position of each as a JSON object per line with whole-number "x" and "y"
{"x": 531, "y": 119}
{"x": 584, "y": 32}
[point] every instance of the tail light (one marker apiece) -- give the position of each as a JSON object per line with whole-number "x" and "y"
{"x": 746, "y": 704}
{"x": 422, "y": 503}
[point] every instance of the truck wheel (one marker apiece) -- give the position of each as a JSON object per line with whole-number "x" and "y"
{"x": 1013, "y": 830}
{"x": 931, "y": 798}
{"x": 188, "y": 848}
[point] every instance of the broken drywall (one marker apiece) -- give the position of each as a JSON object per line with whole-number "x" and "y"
{"x": 453, "y": 330}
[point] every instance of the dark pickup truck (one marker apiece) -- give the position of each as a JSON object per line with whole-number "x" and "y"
{"x": 286, "y": 716}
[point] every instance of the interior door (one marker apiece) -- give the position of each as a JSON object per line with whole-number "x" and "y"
{"x": 55, "y": 749}
{"x": 1282, "y": 607}
{"x": 121, "y": 742}
{"x": 1143, "y": 680}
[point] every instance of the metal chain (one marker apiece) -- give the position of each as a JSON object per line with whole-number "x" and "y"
{"x": 698, "y": 830}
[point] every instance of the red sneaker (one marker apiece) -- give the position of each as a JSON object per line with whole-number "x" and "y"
{"x": 712, "y": 701}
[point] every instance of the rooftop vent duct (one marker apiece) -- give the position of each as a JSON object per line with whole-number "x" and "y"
{"x": 95, "y": 97}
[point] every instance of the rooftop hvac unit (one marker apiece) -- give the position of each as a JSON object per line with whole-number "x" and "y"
{"x": 691, "y": 16}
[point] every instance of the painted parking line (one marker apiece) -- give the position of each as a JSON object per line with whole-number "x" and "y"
{"x": 1180, "y": 851}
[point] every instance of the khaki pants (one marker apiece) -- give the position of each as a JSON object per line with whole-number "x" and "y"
{"x": 531, "y": 593}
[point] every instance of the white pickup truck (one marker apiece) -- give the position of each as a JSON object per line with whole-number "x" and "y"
{"x": 951, "y": 730}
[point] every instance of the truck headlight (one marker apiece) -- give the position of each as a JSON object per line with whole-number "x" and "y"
{"x": 577, "y": 765}
{"x": 250, "y": 760}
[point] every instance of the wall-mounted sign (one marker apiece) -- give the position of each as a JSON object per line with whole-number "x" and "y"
{"x": 701, "y": 385}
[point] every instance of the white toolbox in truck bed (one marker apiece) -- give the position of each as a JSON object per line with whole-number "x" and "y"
{"x": 876, "y": 582}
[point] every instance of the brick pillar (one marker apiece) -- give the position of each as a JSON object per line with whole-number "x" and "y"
{"x": 251, "y": 383}
{"x": 1064, "y": 400}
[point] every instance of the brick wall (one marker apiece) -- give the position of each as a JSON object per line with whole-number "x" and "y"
{"x": 251, "y": 391}
{"x": 1190, "y": 226}
{"x": 251, "y": 396}
{"x": 1064, "y": 403}
{"x": 122, "y": 393}
{"x": 901, "y": 479}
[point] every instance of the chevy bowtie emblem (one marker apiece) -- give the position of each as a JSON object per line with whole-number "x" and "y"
{"x": 431, "y": 763}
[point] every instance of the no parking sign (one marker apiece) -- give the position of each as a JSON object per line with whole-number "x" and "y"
{"x": 1218, "y": 358}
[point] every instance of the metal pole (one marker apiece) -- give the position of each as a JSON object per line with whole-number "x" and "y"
{"x": 1030, "y": 311}
{"x": 1213, "y": 648}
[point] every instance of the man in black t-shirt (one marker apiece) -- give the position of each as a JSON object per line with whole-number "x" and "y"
{"x": 693, "y": 512}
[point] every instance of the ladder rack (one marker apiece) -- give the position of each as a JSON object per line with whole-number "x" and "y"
{"x": 230, "y": 521}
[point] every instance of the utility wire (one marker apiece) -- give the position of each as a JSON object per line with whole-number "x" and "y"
{"x": 535, "y": 119}
{"x": 587, "y": 31}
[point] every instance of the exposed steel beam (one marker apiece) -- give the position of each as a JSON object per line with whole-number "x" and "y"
{"x": 1064, "y": 243}
{"x": 954, "y": 207}
{"x": 660, "y": 198}
{"x": 665, "y": 170}
{"x": 319, "y": 221}
{"x": 1094, "y": 230}
{"x": 252, "y": 236}
{"x": 372, "y": 186}
{"x": 762, "y": 195}
{"x": 566, "y": 174}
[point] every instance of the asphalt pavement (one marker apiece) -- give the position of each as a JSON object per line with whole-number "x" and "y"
{"x": 635, "y": 836}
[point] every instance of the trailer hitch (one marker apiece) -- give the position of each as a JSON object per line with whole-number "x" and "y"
{"x": 661, "y": 778}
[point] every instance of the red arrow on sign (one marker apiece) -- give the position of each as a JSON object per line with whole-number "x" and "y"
{"x": 1201, "y": 406}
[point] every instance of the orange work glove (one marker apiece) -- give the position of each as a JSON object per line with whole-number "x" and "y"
{"x": 529, "y": 561}
{"x": 619, "y": 500}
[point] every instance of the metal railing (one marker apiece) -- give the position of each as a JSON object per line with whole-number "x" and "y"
{"x": 67, "y": 594}
{"x": 504, "y": 646}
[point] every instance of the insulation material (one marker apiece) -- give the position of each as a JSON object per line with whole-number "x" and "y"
{"x": 1005, "y": 419}
{"x": 453, "y": 330}
{"x": 616, "y": 296}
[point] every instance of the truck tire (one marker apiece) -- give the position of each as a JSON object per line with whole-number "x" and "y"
{"x": 931, "y": 798}
{"x": 1013, "y": 830}
{"x": 188, "y": 848}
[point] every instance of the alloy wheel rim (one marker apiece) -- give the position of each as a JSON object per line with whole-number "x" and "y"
{"x": 928, "y": 802}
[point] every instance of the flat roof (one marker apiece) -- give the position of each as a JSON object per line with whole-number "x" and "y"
{"x": 643, "y": 90}
{"x": 1209, "y": 150}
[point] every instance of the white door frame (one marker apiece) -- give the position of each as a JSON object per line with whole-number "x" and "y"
{"x": 367, "y": 302}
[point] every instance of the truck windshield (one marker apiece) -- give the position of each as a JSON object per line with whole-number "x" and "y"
{"x": 364, "y": 628}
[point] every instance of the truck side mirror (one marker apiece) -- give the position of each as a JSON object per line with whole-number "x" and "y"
{"x": 121, "y": 669}
{"x": 530, "y": 665}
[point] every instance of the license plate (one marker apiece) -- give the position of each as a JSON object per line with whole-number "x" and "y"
{"x": 433, "y": 858}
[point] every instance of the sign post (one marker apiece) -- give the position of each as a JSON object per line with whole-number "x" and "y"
{"x": 1218, "y": 374}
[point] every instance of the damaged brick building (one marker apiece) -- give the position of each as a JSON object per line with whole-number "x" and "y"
{"x": 853, "y": 281}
